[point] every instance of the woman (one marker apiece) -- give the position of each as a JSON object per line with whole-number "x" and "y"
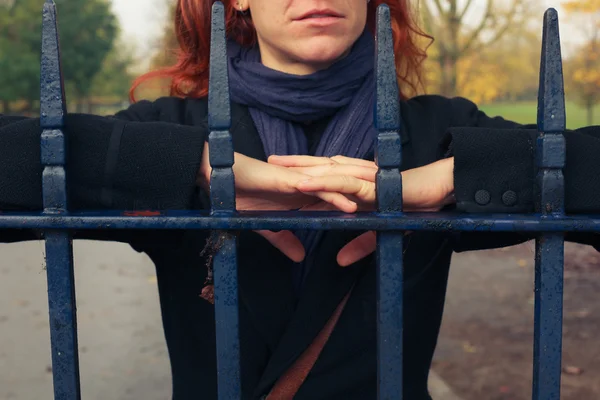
{"x": 304, "y": 89}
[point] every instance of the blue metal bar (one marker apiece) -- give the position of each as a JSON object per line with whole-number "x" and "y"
{"x": 59, "y": 251}
{"x": 549, "y": 255}
{"x": 222, "y": 185}
{"x": 388, "y": 155}
{"x": 222, "y": 192}
{"x": 279, "y": 220}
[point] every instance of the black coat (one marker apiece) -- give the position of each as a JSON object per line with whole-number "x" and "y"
{"x": 148, "y": 157}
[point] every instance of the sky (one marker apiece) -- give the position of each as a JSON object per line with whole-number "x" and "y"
{"x": 141, "y": 21}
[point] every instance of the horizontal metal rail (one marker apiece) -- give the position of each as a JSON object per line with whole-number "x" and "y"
{"x": 277, "y": 220}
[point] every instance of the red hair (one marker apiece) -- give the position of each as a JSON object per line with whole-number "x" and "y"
{"x": 188, "y": 77}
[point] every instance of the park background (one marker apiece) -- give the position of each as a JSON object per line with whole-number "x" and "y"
{"x": 485, "y": 50}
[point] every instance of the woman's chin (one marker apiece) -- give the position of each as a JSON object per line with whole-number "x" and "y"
{"x": 320, "y": 55}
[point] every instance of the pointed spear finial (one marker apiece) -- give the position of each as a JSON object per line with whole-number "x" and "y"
{"x": 219, "y": 113}
{"x": 52, "y": 93}
{"x": 387, "y": 103}
{"x": 551, "y": 98}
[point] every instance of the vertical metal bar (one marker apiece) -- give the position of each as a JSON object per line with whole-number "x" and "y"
{"x": 222, "y": 192}
{"x": 549, "y": 257}
{"x": 59, "y": 251}
{"x": 389, "y": 199}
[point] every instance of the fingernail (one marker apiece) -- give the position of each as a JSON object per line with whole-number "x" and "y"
{"x": 342, "y": 263}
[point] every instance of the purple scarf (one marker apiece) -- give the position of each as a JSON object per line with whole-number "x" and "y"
{"x": 278, "y": 102}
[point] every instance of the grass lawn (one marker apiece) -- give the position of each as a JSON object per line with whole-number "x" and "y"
{"x": 526, "y": 113}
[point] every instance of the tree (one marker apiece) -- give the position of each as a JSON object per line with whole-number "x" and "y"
{"x": 19, "y": 62}
{"x": 462, "y": 30}
{"x": 585, "y": 6}
{"x": 506, "y": 71}
{"x": 583, "y": 78}
{"x": 163, "y": 55}
{"x": 167, "y": 44}
{"x": 583, "y": 70}
{"x": 114, "y": 79}
{"x": 88, "y": 30}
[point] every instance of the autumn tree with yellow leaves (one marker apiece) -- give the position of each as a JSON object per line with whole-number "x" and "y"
{"x": 583, "y": 70}
{"x": 506, "y": 71}
{"x": 463, "y": 31}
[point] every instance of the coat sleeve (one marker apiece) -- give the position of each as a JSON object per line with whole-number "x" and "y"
{"x": 138, "y": 159}
{"x": 494, "y": 172}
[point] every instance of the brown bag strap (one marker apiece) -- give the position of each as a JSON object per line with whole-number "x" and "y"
{"x": 289, "y": 383}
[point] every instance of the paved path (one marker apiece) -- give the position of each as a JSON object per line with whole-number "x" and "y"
{"x": 486, "y": 343}
{"x": 122, "y": 350}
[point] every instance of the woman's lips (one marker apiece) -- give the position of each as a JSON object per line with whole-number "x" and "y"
{"x": 320, "y": 20}
{"x": 320, "y": 17}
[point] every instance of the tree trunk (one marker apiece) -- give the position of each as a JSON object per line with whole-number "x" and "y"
{"x": 5, "y": 107}
{"x": 450, "y": 54}
{"x": 449, "y": 83}
{"x": 453, "y": 66}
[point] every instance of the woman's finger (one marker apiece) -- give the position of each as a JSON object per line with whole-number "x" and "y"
{"x": 299, "y": 161}
{"x": 286, "y": 242}
{"x": 338, "y": 200}
{"x": 357, "y": 171}
{"x": 361, "y": 189}
{"x": 309, "y": 161}
{"x": 357, "y": 249}
{"x": 354, "y": 161}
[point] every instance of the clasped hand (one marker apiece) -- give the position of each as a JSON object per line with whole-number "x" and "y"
{"x": 328, "y": 183}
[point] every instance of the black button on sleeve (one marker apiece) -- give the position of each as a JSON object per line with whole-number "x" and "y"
{"x": 509, "y": 198}
{"x": 482, "y": 197}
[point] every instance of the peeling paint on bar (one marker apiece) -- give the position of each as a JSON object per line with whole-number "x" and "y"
{"x": 222, "y": 195}
{"x": 59, "y": 247}
{"x": 388, "y": 155}
{"x": 279, "y": 220}
{"x": 549, "y": 248}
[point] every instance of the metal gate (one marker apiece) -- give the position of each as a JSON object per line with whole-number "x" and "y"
{"x": 549, "y": 223}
